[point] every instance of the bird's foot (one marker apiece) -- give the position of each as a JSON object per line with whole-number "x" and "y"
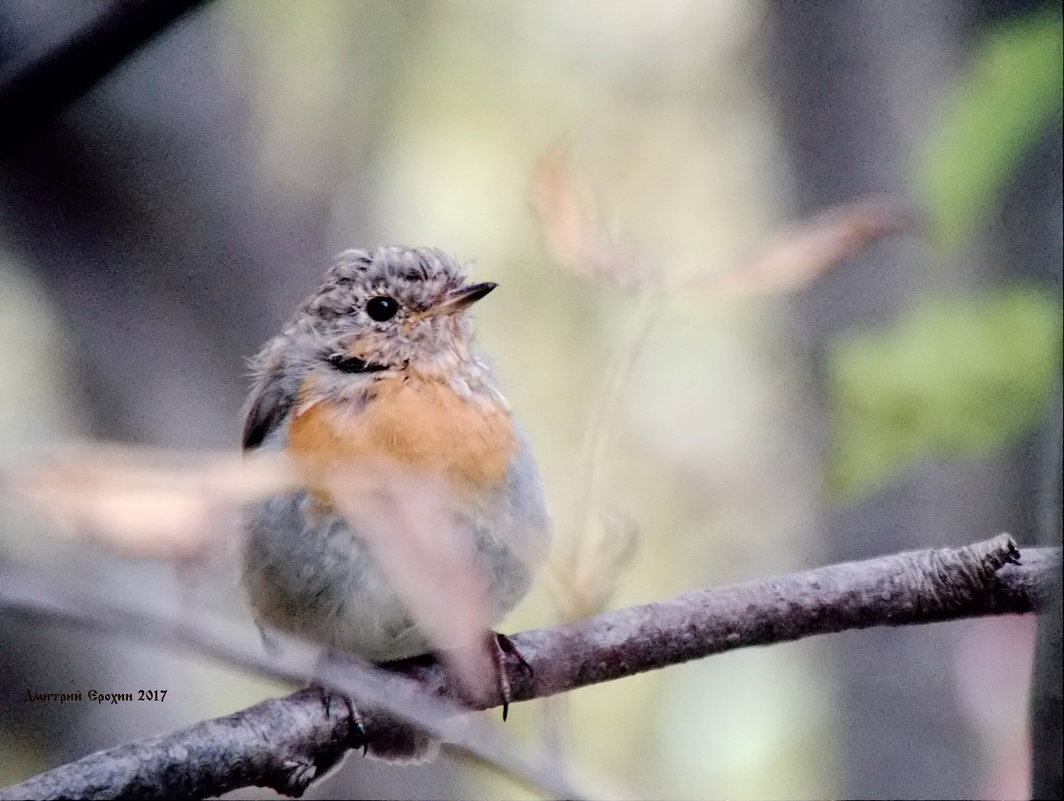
{"x": 373, "y": 731}
{"x": 503, "y": 647}
{"x": 331, "y": 699}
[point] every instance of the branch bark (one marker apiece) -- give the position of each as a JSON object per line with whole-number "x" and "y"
{"x": 285, "y": 743}
{"x": 34, "y": 88}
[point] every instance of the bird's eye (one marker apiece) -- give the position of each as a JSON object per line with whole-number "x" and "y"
{"x": 382, "y": 308}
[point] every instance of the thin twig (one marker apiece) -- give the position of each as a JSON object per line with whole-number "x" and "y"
{"x": 926, "y": 586}
{"x": 41, "y": 84}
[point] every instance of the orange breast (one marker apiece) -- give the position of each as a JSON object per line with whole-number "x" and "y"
{"x": 415, "y": 424}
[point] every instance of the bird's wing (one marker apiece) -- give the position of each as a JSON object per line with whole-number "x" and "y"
{"x": 270, "y": 401}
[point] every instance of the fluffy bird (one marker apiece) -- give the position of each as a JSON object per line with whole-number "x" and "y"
{"x": 376, "y": 376}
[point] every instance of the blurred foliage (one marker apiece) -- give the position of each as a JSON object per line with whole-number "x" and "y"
{"x": 957, "y": 377}
{"x": 1000, "y": 106}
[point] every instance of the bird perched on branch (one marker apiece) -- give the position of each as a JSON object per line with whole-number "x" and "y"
{"x": 420, "y": 519}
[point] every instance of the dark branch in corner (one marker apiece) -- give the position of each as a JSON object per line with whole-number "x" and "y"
{"x": 35, "y": 87}
{"x": 284, "y": 743}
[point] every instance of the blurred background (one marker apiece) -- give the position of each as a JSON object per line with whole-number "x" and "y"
{"x": 158, "y": 230}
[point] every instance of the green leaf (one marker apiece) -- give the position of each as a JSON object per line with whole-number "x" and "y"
{"x": 956, "y": 378}
{"x": 1011, "y": 92}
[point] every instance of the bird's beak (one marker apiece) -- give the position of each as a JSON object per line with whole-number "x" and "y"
{"x": 460, "y": 299}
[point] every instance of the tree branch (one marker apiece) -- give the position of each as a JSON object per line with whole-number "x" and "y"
{"x": 917, "y": 587}
{"x": 285, "y": 743}
{"x": 35, "y": 87}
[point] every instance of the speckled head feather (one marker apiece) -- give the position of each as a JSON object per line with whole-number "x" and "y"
{"x": 337, "y": 346}
{"x": 418, "y": 277}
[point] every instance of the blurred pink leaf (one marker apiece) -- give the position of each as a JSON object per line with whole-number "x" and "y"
{"x": 572, "y": 230}
{"x": 407, "y": 519}
{"x": 799, "y": 255}
{"x": 144, "y": 503}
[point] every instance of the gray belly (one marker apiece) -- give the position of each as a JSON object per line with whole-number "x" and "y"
{"x": 311, "y": 575}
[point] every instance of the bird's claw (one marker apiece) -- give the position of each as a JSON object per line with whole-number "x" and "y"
{"x": 359, "y": 738}
{"x": 502, "y": 646}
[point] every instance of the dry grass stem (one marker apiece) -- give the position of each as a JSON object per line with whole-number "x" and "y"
{"x": 604, "y": 542}
{"x": 585, "y": 577}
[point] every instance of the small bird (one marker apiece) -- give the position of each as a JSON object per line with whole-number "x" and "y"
{"x": 377, "y": 372}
